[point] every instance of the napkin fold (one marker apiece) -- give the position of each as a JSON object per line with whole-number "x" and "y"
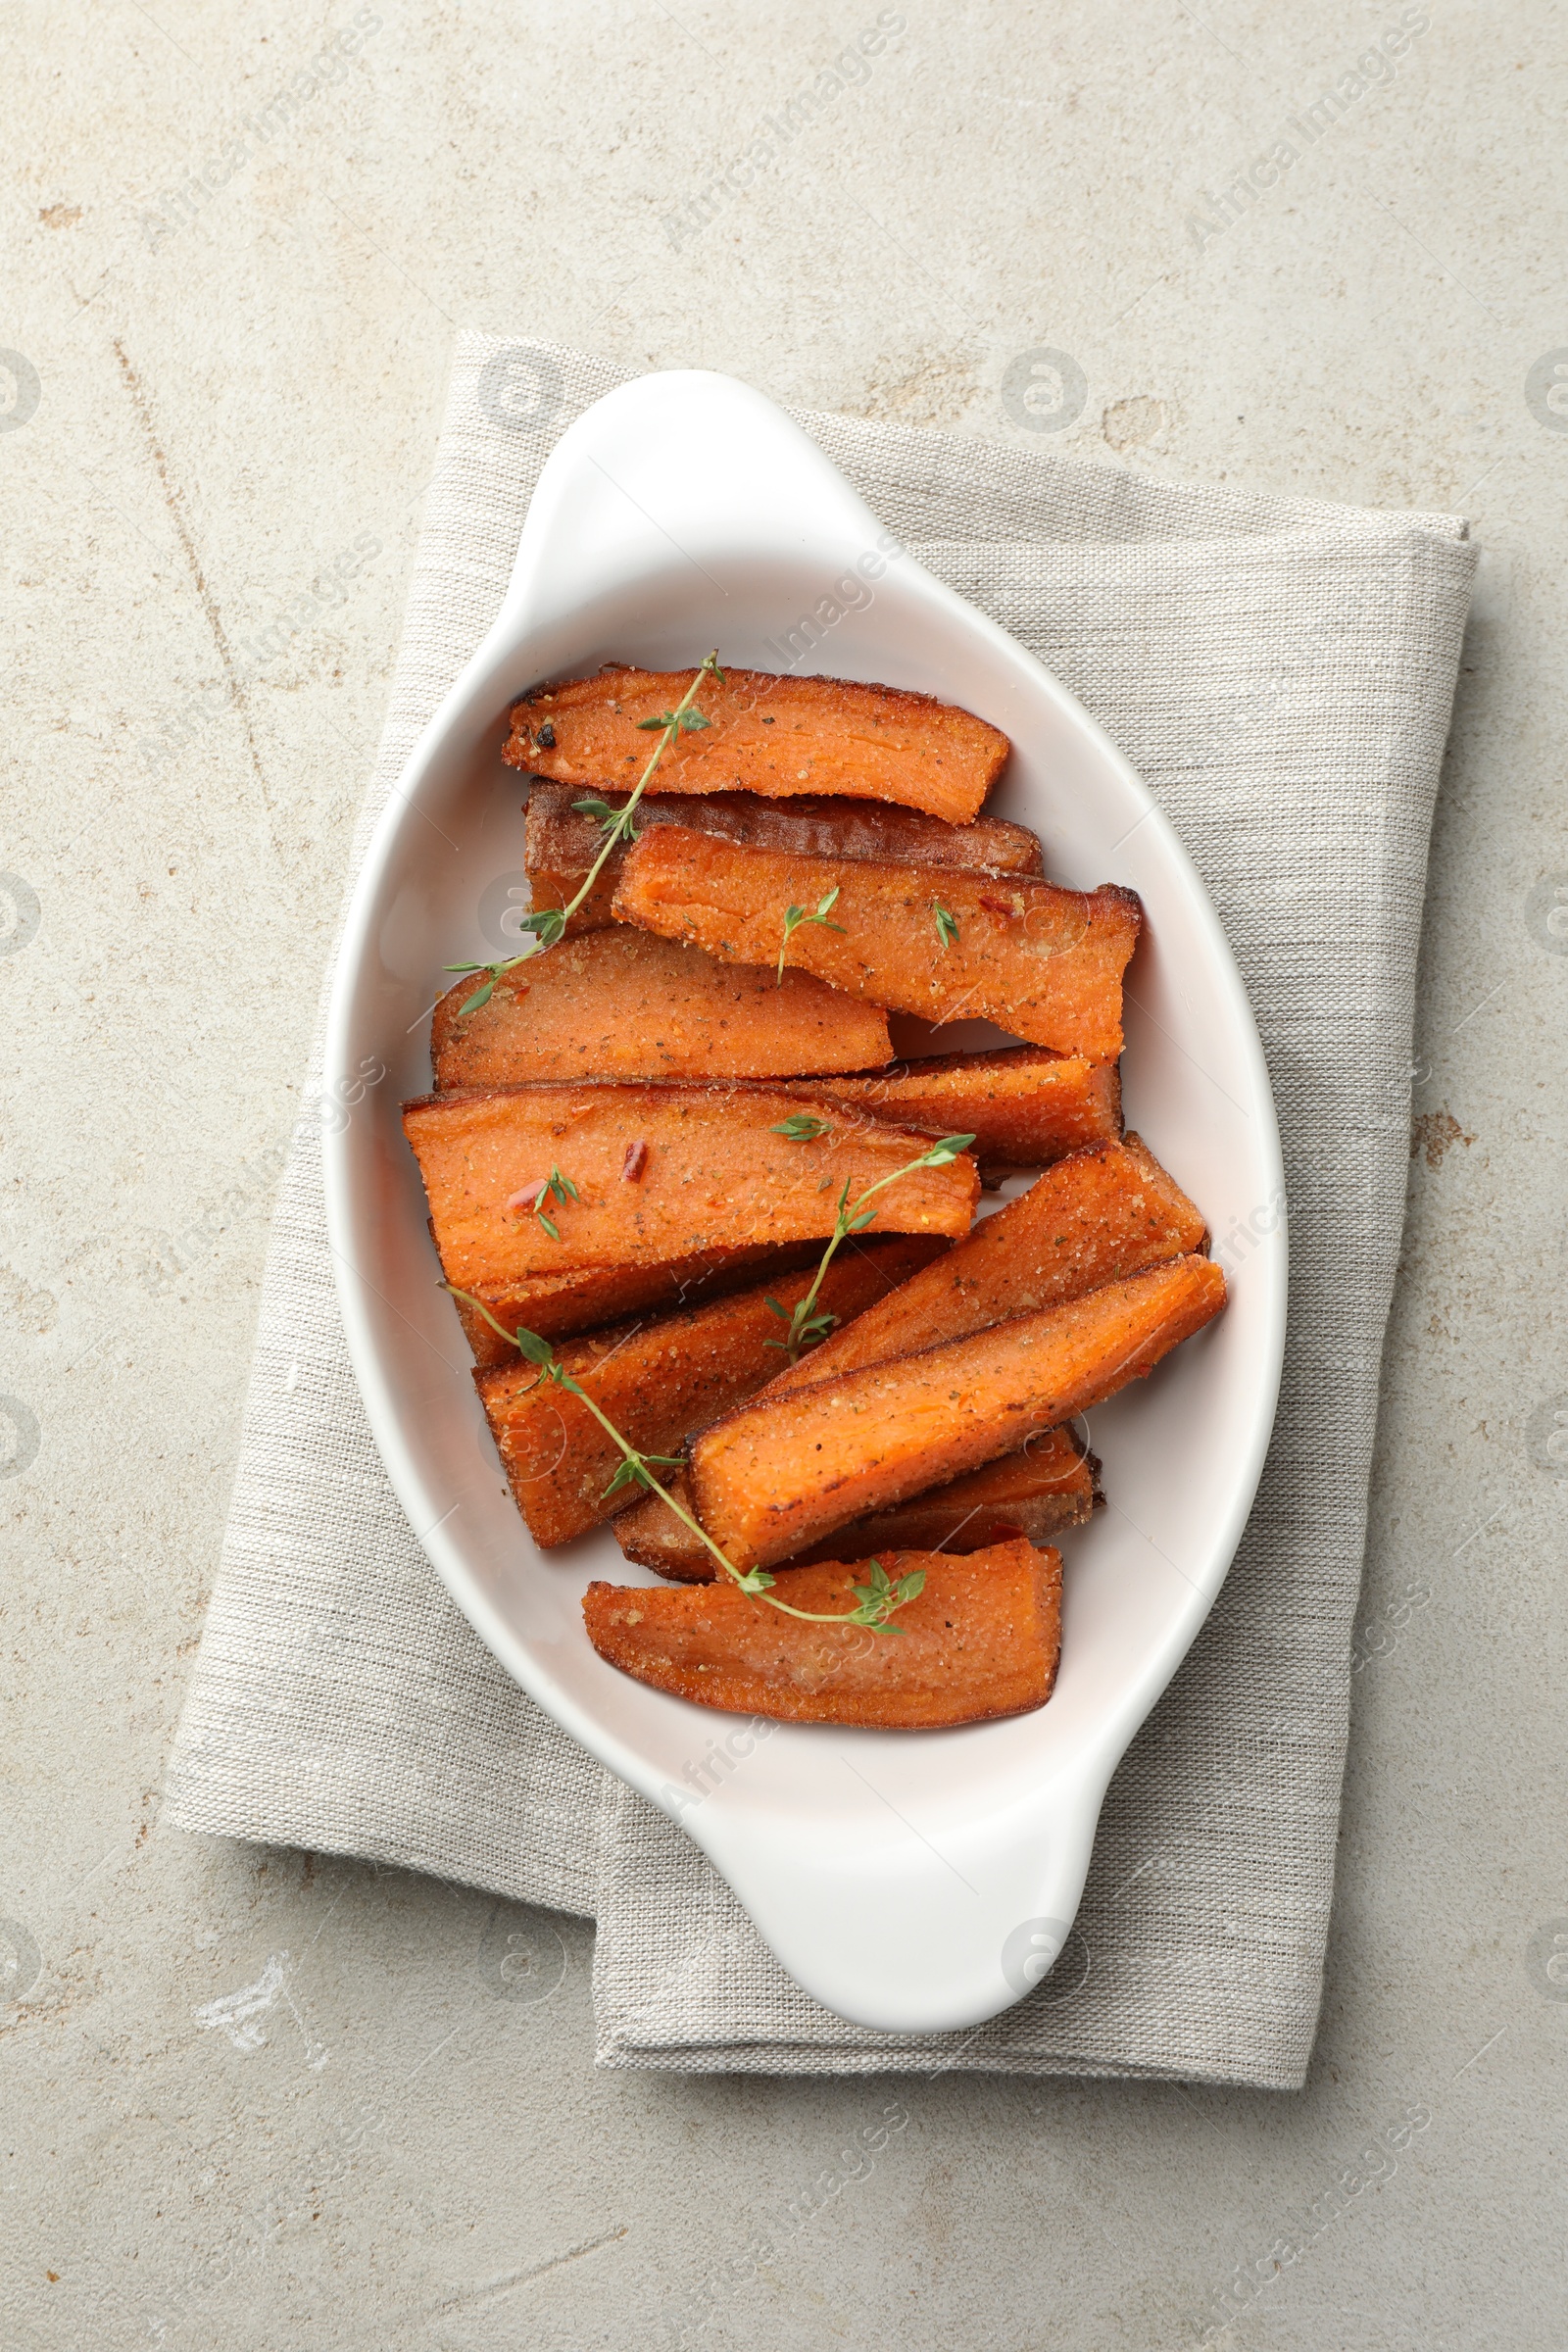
{"x": 1281, "y": 673}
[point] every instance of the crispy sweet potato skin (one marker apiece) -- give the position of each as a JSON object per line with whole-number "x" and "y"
{"x": 785, "y": 1470}
{"x": 1048, "y": 1486}
{"x": 555, "y": 1306}
{"x": 658, "y": 1381}
{"x": 560, "y": 845}
{"x": 713, "y": 1176}
{"x": 1024, "y": 1106}
{"x": 765, "y": 734}
{"x": 1044, "y": 963}
{"x": 622, "y": 1004}
{"x": 1095, "y": 1218}
{"x": 982, "y": 1641}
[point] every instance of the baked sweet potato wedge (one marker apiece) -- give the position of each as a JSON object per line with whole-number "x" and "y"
{"x": 785, "y": 1470}
{"x": 1103, "y": 1213}
{"x": 1048, "y": 1486}
{"x": 658, "y": 1381}
{"x": 562, "y": 842}
{"x": 557, "y": 1304}
{"x": 1024, "y": 1105}
{"x": 622, "y": 1004}
{"x": 1044, "y": 963}
{"x": 659, "y": 1172}
{"x": 981, "y": 1641}
{"x": 776, "y": 736}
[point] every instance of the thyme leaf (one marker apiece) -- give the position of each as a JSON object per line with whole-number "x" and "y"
{"x": 606, "y": 817}
{"x": 535, "y": 1197}
{"x": 794, "y": 916}
{"x": 633, "y": 1472}
{"x": 879, "y": 1597}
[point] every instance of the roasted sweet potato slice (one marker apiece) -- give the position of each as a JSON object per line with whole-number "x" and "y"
{"x": 562, "y": 839}
{"x": 1042, "y": 961}
{"x": 557, "y": 1304}
{"x": 785, "y": 1470}
{"x": 562, "y": 842}
{"x": 1103, "y": 1214}
{"x": 1024, "y": 1106}
{"x": 1035, "y": 1493}
{"x": 658, "y": 1381}
{"x": 622, "y": 1004}
{"x": 777, "y": 736}
{"x": 661, "y": 1173}
{"x": 982, "y": 1641}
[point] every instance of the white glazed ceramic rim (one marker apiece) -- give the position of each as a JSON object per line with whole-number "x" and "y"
{"x": 911, "y": 1882}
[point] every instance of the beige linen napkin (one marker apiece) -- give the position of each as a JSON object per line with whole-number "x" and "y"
{"x": 1281, "y": 673}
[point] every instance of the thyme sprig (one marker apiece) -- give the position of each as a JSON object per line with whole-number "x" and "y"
{"x": 554, "y": 1186}
{"x": 548, "y": 923}
{"x": 629, "y": 1472}
{"x": 605, "y": 818}
{"x": 880, "y": 1592}
{"x": 808, "y": 1326}
{"x": 879, "y": 1597}
{"x": 794, "y": 916}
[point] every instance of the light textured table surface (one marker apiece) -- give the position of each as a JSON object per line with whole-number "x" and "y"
{"x": 255, "y": 2100}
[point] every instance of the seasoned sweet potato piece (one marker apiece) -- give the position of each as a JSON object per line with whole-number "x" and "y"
{"x": 557, "y": 1304}
{"x": 1024, "y": 1106}
{"x": 562, "y": 843}
{"x": 1103, "y": 1214}
{"x": 981, "y": 1641}
{"x": 658, "y": 1381}
{"x": 562, "y": 839}
{"x": 777, "y": 736}
{"x": 1035, "y": 1493}
{"x": 1040, "y": 960}
{"x": 785, "y": 1470}
{"x": 661, "y": 1173}
{"x": 622, "y": 1004}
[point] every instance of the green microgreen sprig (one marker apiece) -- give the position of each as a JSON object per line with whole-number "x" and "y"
{"x": 794, "y": 916}
{"x": 548, "y": 923}
{"x": 800, "y": 1128}
{"x": 808, "y": 1326}
{"x": 879, "y": 1597}
{"x": 947, "y": 924}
